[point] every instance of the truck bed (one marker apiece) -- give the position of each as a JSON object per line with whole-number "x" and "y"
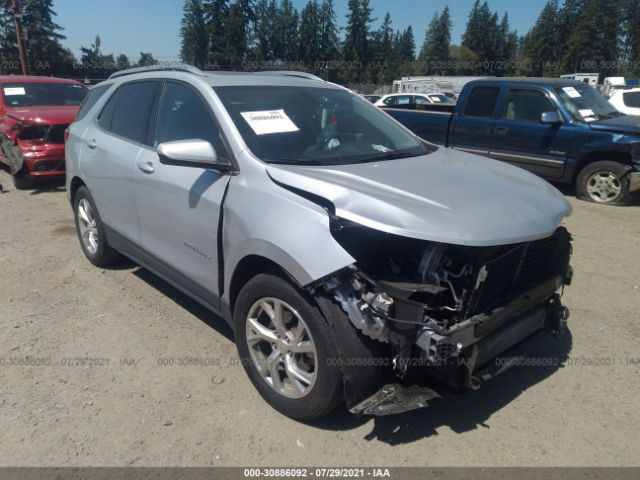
{"x": 430, "y": 122}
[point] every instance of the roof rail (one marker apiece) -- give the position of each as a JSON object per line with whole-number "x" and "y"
{"x": 289, "y": 73}
{"x": 177, "y": 67}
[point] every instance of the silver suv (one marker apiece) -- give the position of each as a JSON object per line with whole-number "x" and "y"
{"x": 353, "y": 260}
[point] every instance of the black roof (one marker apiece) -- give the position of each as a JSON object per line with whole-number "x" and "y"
{"x": 540, "y": 81}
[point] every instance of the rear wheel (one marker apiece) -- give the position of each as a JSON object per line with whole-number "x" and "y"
{"x": 604, "y": 182}
{"x": 287, "y": 348}
{"x": 91, "y": 231}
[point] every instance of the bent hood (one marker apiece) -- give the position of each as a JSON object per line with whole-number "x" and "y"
{"x": 624, "y": 124}
{"x": 62, "y": 115}
{"x": 446, "y": 196}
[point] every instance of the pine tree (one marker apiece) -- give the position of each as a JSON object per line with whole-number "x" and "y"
{"x": 482, "y": 36}
{"x": 194, "y": 45}
{"x": 508, "y": 47}
{"x": 146, "y": 59}
{"x": 266, "y": 14}
{"x": 122, "y": 62}
{"x": 9, "y": 60}
{"x": 631, "y": 46}
{"x": 215, "y": 14}
{"x": 356, "y": 43}
{"x": 310, "y": 34}
{"x": 434, "y": 54}
{"x": 329, "y": 41}
{"x": 286, "y": 28}
{"x": 237, "y": 36}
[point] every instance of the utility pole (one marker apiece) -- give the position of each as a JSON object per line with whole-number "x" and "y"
{"x": 22, "y": 48}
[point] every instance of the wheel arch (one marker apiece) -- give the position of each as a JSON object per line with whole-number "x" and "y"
{"x": 74, "y": 186}
{"x": 250, "y": 266}
{"x": 624, "y": 158}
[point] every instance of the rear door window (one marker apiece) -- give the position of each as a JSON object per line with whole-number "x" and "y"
{"x": 481, "y": 102}
{"x": 133, "y": 108}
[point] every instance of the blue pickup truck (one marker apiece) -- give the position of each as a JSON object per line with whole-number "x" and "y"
{"x": 562, "y": 130}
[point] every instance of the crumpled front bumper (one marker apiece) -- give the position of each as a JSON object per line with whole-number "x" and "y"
{"x": 493, "y": 355}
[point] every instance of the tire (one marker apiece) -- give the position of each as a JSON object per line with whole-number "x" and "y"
{"x": 321, "y": 391}
{"x": 604, "y": 182}
{"x": 21, "y": 181}
{"x": 94, "y": 244}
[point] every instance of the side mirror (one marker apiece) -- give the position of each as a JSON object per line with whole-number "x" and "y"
{"x": 552, "y": 118}
{"x": 191, "y": 153}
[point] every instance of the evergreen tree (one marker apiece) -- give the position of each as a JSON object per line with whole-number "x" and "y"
{"x": 435, "y": 49}
{"x": 286, "y": 28}
{"x": 508, "y": 47}
{"x": 94, "y": 63}
{"x": 237, "y": 36}
{"x": 193, "y": 33}
{"x": 146, "y": 59}
{"x": 215, "y": 13}
{"x": 310, "y": 36}
{"x": 266, "y": 14}
{"x": 482, "y": 36}
{"x": 382, "y": 53}
{"x": 329, "y": 41}
{"x": 9, "y": 59}
{"x": 594, "y": 44}
{"x": 122, "y": 62}
{"x": 356, "y": 43}
{"x": 631, "y": 46}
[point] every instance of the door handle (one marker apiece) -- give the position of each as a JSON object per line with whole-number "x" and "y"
{"x": 146, "y": 167}
{"x": 501, "y": 130}
{"x": 92, "y": 143}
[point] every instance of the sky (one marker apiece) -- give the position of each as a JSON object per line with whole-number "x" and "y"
{"x": 134, "y": 26}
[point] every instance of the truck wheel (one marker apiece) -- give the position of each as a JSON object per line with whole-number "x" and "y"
{"x": 287, "y": 348}
{"x": 91, "y": 231}
{"x": 21, "y": 181}
{"x": 604, "y": 182}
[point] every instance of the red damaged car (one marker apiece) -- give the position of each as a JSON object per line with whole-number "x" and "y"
{"x": 34, "y": 113}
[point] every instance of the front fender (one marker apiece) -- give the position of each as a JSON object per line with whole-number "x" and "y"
{"x": 264, "y": 219}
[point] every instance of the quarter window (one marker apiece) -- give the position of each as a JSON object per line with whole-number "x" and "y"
{"x": 90, "y": 100}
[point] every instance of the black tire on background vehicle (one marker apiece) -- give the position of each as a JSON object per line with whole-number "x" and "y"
{"x": 21, "y": 181}
{"x": 287, "y": 348}
{"x": 91, "y": 231}
{"x": 604, "y": 182}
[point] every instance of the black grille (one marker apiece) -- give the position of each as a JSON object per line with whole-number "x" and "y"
{"x": 56, "y": 133}
{"x": 522, "y": 267}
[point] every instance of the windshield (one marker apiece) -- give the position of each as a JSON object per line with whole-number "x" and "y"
{"x": 315, "y": 126}
{"x": 585, "y": 104}
{"x": 43, "y": 94}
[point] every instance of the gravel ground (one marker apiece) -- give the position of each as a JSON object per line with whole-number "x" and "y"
{"x": 128, "y": 405}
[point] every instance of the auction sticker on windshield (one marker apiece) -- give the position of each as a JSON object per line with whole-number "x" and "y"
{"x": 14, "y": 91}
{"x": 269, "y": 122}
{"x": 572, "y": 92}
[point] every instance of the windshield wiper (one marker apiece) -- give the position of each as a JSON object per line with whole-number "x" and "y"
{"x": 387, "y": 156}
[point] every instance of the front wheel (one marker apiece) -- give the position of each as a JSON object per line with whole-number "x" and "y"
{"x": 287, "y": 348}
{"x": 604, "y": 182}
{"x": 21, "y": 181}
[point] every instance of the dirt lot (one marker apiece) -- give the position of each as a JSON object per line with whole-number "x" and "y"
{"x": 129, "y": 406}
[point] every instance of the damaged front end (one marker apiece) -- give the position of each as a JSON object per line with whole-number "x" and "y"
{"x": 32, "y": 148}
{"x": 443, "y": 311}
